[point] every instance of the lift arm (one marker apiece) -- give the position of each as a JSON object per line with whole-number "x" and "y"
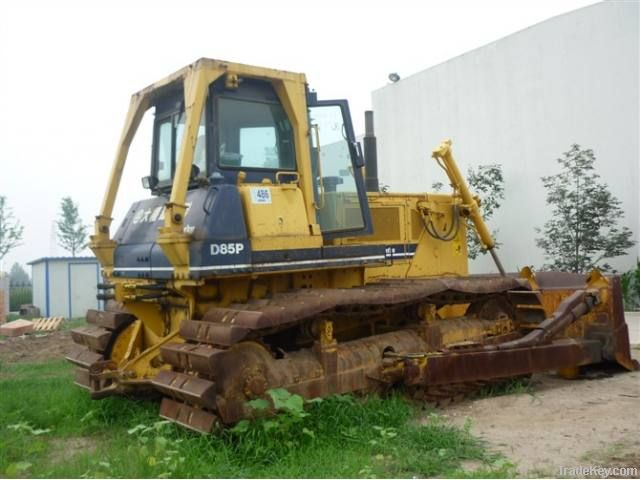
{"x": 443, "y": 156}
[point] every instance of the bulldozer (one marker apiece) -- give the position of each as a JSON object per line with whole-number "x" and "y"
{"x": 268, "y": 257}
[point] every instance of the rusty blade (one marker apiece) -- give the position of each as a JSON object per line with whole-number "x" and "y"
{"x": 486, "y": 365}
{"x": 188, "y": 416}
{"x": 621, "y": 344}
{"x": 560, "y": 280}
{"x": 525, "y": 297}
{"x": 186, "y": 388}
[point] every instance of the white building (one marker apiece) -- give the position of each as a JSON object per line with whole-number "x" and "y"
{"x": 521, "y": 102}
{"x": 65, "y": 286}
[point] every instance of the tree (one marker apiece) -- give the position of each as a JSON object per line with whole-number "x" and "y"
{"x": 72, "y": 233}
{"x": 10, "y": 229}
{"x": 18, "y": 276}
{"x": 584, "y": 230}
{"x": 488, "y": 183}
{"x": 631, "y": 288}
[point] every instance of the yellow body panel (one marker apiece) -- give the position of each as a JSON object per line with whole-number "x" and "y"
{"x": 276, "y": 217}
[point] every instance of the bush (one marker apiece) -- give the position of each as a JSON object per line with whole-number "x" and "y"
{"x": 631, "y": 288}
{"x": 19, "y": 295}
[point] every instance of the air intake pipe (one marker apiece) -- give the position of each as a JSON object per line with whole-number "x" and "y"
{"x": 370, "y": 154}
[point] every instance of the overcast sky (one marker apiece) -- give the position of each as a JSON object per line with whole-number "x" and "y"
{"x": 68, "y": 70}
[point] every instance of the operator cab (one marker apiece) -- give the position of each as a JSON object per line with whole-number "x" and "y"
{"x": 245, "y": 136}
{"x": 276, "y": 176}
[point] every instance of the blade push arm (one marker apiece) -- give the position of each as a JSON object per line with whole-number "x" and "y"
{"x": 443, "y": 156}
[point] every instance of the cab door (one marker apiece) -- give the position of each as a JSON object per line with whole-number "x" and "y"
{"x": 336, "y": 163}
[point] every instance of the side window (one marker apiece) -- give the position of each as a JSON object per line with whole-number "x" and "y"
{"x": 254, "y": 134}
{"x": 169, "y": 134}
{"x": 336, "y": 191}
{"x": 164, "y": 151}
{"x": 199, "y": 153}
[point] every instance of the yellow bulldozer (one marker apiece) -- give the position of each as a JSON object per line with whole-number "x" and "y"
{"x": 266, "y": 257}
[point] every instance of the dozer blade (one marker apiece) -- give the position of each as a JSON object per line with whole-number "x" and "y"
{"x": 83, "y": 357}
{"x": 188, "y": 356}
{"x": 93, "y": 337}
{"x": 488, "y": 365}
{"x": 185, "y": 387}
{"x": 188, "y": 416}
{"x": 609, "y": 326}
{"x": 525, "y": 297}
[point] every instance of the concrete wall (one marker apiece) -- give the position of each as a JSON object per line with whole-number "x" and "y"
{"x": 65, "y": 287}
{"x": 522, "y": 101}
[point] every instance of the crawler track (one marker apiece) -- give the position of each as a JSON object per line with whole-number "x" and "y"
{"x": 235, "y": 354}
{"x": 319, "y": 342}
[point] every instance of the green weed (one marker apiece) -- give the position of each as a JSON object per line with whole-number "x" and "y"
{"x": 50, "y": 428}
{"x": 514, "y": 386}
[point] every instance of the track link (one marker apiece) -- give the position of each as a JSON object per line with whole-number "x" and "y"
{"x": 93, "y": 347}
{"x": 224, "y": 361}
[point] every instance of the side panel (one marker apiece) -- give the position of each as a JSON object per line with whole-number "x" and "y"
{"x": 214, "y": 220}
{"x": 276, "y": 218}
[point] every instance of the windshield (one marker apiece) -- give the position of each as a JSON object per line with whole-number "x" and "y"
{"x": 254, "y": 134}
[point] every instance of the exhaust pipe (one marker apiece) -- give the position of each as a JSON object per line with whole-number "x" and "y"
{"x": 370, "y": 154}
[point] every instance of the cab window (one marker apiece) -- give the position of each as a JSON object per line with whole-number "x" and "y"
{"x": 254, "y": 135}
{"x": 169, "y": 132}
{"x": 338, "y": 199}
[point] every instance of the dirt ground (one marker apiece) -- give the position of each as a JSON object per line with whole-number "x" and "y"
{"x": 564, "y": 423}
{"x": 560, "y": 423}
{"x": 36, "y": 347}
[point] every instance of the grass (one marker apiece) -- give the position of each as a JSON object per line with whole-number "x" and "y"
{"x": 514, "y": 386}
{"x": 71, "y": 323}
{"x": 50, "y": 428}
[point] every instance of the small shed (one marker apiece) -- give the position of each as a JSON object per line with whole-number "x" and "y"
{"x": 65, "y": 286}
